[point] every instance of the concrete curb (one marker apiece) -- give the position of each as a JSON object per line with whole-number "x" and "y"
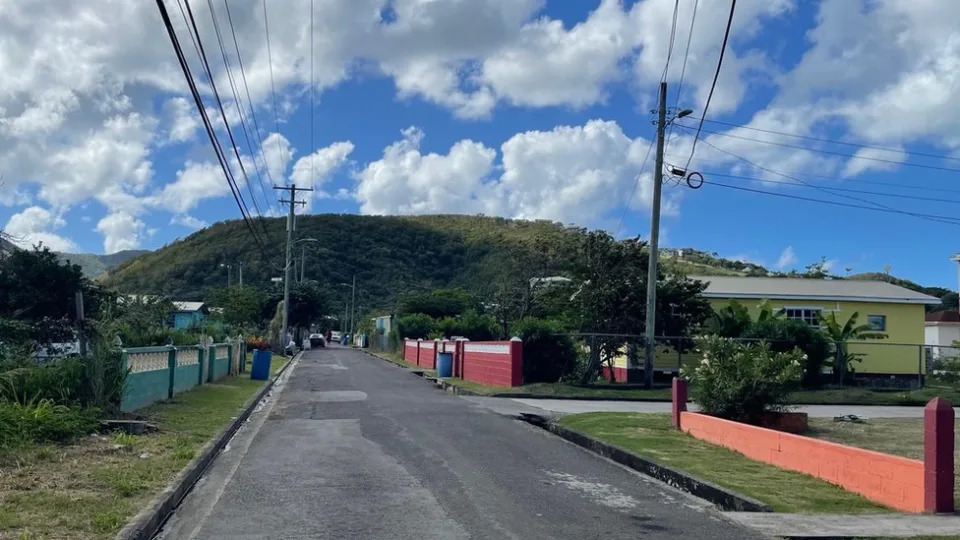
{"x": 147, "y": 523}
{"x": 723, "y": 498}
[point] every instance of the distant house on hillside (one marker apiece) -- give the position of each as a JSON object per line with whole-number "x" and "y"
{"x": 189, "y": 314}
{"x": 941, "y": 329}
{"x": 896, "y": 311}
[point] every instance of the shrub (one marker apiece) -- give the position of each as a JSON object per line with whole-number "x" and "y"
{"x": 42, "y": 421}
{"x": 947, "y": 370}
{"x": 785, "y": 335}
{"x": 257, "y": 343}
{"x": 93, "y": 381}
{"x": 415, "y": 326}
{"x": 741, "y": 381}
{"x": 547, "y": 357}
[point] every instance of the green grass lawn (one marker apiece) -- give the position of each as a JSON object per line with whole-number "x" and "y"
{"x": 897, "y": 436}
{"x": 91, "y": 488}
{"x": 839, "y": 396}
{"x": 652, "y": 436}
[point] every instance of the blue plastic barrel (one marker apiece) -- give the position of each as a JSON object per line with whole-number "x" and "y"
{"x": 445, "y": 364}
{"x": 261, "y": 365}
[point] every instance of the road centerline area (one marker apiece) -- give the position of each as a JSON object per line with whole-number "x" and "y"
{"x": 410, "y": 462}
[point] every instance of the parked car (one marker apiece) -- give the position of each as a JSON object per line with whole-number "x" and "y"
{"x": 316, "y": 340}
{"x": 335, "y": 337}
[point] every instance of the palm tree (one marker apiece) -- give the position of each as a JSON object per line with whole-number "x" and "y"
{"x": 840, "y": 334}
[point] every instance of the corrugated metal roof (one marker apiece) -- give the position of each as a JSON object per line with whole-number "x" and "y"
{"x": 188, "y": 306}
{"x": 852, "y": 290}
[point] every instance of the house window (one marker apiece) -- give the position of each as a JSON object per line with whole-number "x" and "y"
{"x": 810, "y": 316}
{"x": 877, "y": 323}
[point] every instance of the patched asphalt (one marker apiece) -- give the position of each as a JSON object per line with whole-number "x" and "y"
{"x": 349, "y": 446}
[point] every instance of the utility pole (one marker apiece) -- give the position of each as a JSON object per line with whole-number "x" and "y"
{"x": 353, "y": 304}
{"x": 303, "y": 264}
{"x": 81, "y": 331}
{"x": 650, "y": 330}
{"x": 291, "y": 227}
{"x": 240, "y": 266}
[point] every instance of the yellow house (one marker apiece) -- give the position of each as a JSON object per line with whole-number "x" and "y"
{"x": 896, "y": 311}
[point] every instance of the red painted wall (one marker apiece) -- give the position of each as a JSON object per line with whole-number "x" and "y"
{"x": 498, "y": 363}
{"x": 428, "y": 354}
{"x": 891, "y": 480}
{"x": 620, "y": 374}
{"x": 410, "y": 351}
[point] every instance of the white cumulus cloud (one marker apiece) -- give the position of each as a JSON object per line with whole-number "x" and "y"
{"x": 571, "y": 173}
{"x": 121, "y": 231}
{"x": 786, "y": 259}
{"x": 33, "y": 226}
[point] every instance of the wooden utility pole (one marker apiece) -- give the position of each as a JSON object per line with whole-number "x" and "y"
{"x": 650, "y": 330}
{"x": 291, "y": 227}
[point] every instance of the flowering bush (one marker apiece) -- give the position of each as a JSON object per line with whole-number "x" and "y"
{"x": 257, "y": 343}
{"x": 742, "y": 381}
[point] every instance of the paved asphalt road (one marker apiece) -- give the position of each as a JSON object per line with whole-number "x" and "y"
{"x": 349, "y": 446}
{"x": 573, "y": 406}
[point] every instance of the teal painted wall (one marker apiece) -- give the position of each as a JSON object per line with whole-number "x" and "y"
{"x": 142, "y": 389}
{"x": 186, "y": 378}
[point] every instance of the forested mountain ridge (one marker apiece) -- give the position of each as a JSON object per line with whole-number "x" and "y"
{"x": 94, "y": 265}
{"x": 388, "y": 254}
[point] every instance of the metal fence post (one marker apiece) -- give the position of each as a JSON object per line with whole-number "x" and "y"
{"x": 679, "y": 357}
{"x": 920, "y": 360}
{"x": 172, "y": 366}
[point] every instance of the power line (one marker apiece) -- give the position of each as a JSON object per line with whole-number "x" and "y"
{"x": 830, "y": 188}
{"x": 830, "y": 141}
{"x": 243, "y": 122}
{"x": 273, "y": 88}
{"x": 208, "y": 126}
{"x": 829, "y": 152}
{"x": 223, "y": 113}
{"x": 944, "y": 219}
{"x": 814, "y": 186}
{"x": 253, "y": 110}
{"x": 666, "y": 65}
{"x": 911, "y": 187}
{"x": 683, "y": 68}
{"x": 673, "y": 35}
{"x": 713, "y": 86}
{"x": 636, "y": 182}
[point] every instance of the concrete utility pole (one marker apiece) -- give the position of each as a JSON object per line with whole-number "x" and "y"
{"x": 650, "y": 330}
{"x": 303, "y": 264}
{"x": 240, "y": 266}
{"x": 291, "y": 227}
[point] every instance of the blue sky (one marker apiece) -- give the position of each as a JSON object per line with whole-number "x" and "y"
{"x": 520, "y": 108}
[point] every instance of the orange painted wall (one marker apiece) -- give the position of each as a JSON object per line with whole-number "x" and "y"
{"x": 894, "y": 481}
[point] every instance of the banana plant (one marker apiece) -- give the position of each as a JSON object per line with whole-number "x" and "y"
{"x": 842, "y": 333}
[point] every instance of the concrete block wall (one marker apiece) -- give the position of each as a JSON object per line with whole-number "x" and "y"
{"x": 908, "y": 485}
{"x": 894, "y": 481}
{"x": 498, "y": 363}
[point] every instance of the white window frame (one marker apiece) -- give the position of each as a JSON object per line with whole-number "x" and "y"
{"x": 819, "y": 309}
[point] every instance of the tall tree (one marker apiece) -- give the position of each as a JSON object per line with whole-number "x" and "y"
{"x": 242, "y": 305}
{"x": 611, "y": 298}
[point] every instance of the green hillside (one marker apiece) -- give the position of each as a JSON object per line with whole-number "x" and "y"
{"x": 391, "y": 254}
{"x": 388, "y": 254}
